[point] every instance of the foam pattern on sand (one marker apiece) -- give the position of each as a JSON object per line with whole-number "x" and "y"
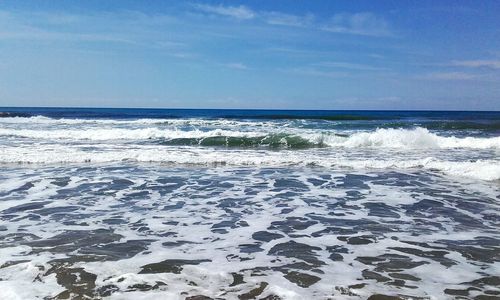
{"x": 136, "y": 231}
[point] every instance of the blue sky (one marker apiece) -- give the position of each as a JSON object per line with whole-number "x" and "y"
{"x": 252, "y": 54}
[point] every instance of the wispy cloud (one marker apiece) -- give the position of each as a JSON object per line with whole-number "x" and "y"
{"x": 364, "y": 23}
{"x": 20, "y": 27}
{"x": 278, "y": 18}
{"x": 32, "y": 33}
{"x": 58, "y": 18}
{"x": 492, "y": 64}
{"x": 310, "y": 71}
{"x": 237, "y": 66}
{"x": 348, "y": 66}
{"x": 169, "y": 44}
{"x": 245, "y": 13}
{"x": 97, "y": 34}
{"x": 299, "y": 52}
{"x": 448, "y": 76}
{"x": 128, "y": 28}
{"x": 238, "y": 12}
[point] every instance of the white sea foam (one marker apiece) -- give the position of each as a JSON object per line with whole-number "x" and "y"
{"x": 142, "y": 121}
{"x": 50, "y": 154}
{"x": 44, "y": 140}
{"x": 204, "y": 207}
{"x": 122, "y": 134}
{"x": 108, "y": 163}
{"x": 418, "y": 138}
{"x": 411, "y": 138}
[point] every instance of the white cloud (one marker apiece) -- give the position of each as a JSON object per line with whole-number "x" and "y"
{"x": 169, "y": 44}
{"x": 238, "y": 66}
{"x": 363, "y": 23}
{"x": 449, "y": 76}
{"x": 359, "y": 23}
{"x": 238, "y": 12}
{"x": 59, "y": 18}
{"x": 493, "y": 64}
{"x": 299, "y": 51}
{"x": 130, "y": 28}
{"x": 308, "y": 71}
{"x": 277, "y": 18}
{"x": 349, "y": 66}
{"x": 32, "y": 33}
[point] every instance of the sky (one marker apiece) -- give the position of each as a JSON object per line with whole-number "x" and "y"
{"x": 296, "y": 54}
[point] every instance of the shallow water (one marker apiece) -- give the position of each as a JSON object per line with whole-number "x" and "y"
{"x": 141, "y": 230}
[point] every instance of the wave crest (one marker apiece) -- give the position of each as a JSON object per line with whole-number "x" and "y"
{"x": 418, "y": 138}
{"x": 188, "y": 156}
{"x": 411, "y": 139}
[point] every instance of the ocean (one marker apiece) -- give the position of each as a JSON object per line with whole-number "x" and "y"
{"x": 248, "y": 204}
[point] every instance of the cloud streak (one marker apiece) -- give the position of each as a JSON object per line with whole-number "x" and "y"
{"x": 238, "y": 12}
{"x": 348, "y": 66}
{"x": 236, "y": 66}
{"x": 309, "y": 71}
{"x": 449, "y": 76}
{"x": 492, "y": 64}
{"x": 277, "y": 18}
{"x": 364, "y": 23}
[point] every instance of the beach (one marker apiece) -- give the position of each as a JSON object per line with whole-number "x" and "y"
{"x": 249, "y": 204}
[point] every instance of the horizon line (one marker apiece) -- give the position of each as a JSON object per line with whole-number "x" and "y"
{"x": 250, "y": 109}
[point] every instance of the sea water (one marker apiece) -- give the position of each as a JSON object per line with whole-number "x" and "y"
{"x": 242, "y": 204}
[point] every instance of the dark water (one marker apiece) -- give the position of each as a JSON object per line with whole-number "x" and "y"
{"x": 230, "y": 204}
{"x": 445, "y": 120}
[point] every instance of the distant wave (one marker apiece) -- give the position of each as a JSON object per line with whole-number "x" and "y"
{"x": 463, "y": 125}
{"x": 252, "y": 116}
{"x": 142, "y": 121}
{"x": 309, "y": 117}
{"x": 14, "y": 115}
{"x": 264, "y": 120}
{"x": 101, "y": 116}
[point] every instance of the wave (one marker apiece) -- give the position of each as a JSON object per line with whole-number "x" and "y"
{"x": 7, "y": 114}
{"x": 310, "y": 117}
{"x": 110, "y": 134}
{"x": 264, "y": 120}
{"x": 463, "y": 125}
{"x": 250, "y": 115}
{"x": 214, "y": 138}
{"x": 144, "y": 121}
{"x": 72, "y": 121}
{"x": 271, "y": 141}
{"x": 418, "y": 138}
{"x": 188, "y": 156}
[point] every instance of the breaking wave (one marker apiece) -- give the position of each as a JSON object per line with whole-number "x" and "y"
{"x": 262, "y": 143}
{"x": 487, "y": 169}
{"x": 418, "y": 138}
